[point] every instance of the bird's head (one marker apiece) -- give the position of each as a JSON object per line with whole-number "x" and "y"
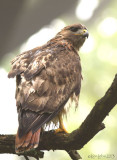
{"x": 76, "y": 34}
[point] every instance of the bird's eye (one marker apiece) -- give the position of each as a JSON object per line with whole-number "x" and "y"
{"x": 74, "y": 29}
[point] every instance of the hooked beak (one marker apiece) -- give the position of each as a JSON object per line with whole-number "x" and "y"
{"x": 85, "y": 33}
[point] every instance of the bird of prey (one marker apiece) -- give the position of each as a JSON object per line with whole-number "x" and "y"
{"x": 46, "y": 78}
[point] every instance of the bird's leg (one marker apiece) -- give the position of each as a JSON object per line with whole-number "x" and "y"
{"x": 61, "y": 126}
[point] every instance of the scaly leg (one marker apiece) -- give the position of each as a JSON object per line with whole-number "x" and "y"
{"x": 61, "y": 126}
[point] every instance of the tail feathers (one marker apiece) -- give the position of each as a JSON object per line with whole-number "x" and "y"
{"x": 27, "y": 142}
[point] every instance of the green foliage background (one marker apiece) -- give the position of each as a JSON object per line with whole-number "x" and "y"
{"x": 98, "y": 68}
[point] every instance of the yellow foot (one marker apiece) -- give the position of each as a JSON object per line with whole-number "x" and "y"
{"x": 61, "y": 130}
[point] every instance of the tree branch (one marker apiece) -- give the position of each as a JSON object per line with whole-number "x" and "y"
{"x": 75, "y": 140}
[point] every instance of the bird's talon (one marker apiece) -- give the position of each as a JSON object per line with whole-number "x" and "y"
{"x": 60, "y": 130}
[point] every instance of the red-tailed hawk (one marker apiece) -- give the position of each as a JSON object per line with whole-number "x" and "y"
{"x": 46, "y": 77}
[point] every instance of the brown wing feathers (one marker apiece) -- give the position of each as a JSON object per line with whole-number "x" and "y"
{"x": 39, "y": 108}
{"x": 46, "y": 95}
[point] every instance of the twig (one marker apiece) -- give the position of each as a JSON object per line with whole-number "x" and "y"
{"x": 74, "y": 155}
{"x": 26, "y": 157}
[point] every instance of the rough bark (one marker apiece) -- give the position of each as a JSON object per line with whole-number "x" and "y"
{"x": 76, "y": 139}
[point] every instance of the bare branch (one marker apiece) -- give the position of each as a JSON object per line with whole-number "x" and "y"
{"x": 26, "y": 157}
{"x": 75, "y": 140}
{"x": 74, "y": 155}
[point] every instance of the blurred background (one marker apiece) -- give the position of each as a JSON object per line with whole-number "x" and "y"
{"x": 26, "y": 24}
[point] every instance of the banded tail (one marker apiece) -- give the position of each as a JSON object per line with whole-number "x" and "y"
{"x": 27, "y": 141}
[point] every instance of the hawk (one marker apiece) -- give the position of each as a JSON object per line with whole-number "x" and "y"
{"x": 46, "y": 78}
